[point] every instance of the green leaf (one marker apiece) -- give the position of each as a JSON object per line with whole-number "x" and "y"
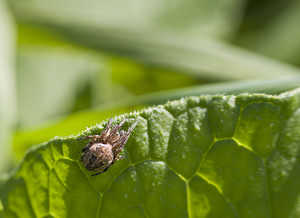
{"x": 64, "y": 126}
{"x": 207, "y": 156}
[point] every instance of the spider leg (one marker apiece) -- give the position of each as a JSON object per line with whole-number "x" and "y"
{"x": 120, "y": 157}
{"x": 118, "y": 146}
{"x": 89, "y": 137}
{"x": 115, "y": 138}
{"x": 88, "y": 145}
{"x": 101, "y": 171}
{"x": 129, "y": 132}
{"x": 94, "y": 137}
{"x": 86, "y": 148}
{"x": 97, "y": 173}
{"x": 115, "y": 130}
{"x": 106, "y": 132}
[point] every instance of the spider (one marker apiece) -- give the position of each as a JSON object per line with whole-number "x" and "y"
{"x": 104, "y": 149}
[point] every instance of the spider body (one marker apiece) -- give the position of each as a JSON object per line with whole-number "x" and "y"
{"x": 97, "y": 157}
{"x": 103, "y": 150}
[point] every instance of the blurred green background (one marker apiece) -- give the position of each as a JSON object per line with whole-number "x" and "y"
{"x": 66, "y": 65}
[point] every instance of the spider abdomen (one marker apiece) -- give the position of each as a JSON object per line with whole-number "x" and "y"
{"x": 98, "y": 157}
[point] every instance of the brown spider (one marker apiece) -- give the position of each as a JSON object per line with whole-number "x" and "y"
{"x": 103, "y": 150}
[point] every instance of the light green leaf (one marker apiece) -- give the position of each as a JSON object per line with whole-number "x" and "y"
{"x": 134, "y": 31}
{"x": 190, "y": 17}
{"x": 207, "y": 156}
{"x": 204, "y": 57}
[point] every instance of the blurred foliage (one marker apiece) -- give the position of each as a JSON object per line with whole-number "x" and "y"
{"x": 8, "y": 106}
{"x": 271, "y": 28}
{"x": 193, "y": 18}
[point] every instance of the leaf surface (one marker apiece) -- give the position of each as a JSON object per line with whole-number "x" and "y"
{"x": 206, "y": 156}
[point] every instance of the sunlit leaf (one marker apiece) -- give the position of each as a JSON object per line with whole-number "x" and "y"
{"x": 206, "y": 156}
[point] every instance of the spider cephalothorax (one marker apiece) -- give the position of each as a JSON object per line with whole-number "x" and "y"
{"x": 103, "y": 150}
